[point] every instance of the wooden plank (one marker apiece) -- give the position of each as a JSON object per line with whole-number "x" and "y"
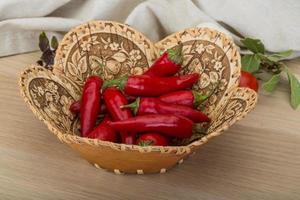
{"x": 258, "y": 158}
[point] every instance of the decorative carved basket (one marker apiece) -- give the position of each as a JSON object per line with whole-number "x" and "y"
{"x": 111, "y": 49}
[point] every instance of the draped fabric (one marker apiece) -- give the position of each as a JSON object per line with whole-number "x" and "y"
{"x": 275, "y": 22}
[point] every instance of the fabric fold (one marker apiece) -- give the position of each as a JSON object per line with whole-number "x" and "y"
{"x": 275, "y": 22}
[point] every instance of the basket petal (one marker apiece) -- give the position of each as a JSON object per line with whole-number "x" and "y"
{"x": 49, "y": 97}
{"x": 241, "y": 102}
{"x": 214, "y": 56}
{"x": 105, "y": 41}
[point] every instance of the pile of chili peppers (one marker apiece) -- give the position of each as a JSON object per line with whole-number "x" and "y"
{"x": 148, "y": 109}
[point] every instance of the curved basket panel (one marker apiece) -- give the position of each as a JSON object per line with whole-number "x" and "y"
{"x": 107, "y": 49}
{"x": 49, "y": 97}
{"x": 127, "y": 161}
{"x": 214, "y": 56}
{"x": 241, "y": 102}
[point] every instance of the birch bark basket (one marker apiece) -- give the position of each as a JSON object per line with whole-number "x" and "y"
{"x": 110, "y": 50}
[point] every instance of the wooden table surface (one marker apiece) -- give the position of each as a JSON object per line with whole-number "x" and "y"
{"x": 257, "y": 158}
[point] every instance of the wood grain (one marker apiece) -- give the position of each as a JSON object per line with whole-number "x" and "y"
{"x": 258, "y": 158}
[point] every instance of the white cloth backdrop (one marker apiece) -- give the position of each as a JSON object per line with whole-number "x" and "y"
{"x": 276, "y": 22}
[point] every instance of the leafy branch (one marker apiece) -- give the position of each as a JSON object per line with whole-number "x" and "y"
{"x": 259, "y": 61}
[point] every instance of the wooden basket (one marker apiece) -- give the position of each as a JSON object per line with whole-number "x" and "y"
{"x": 111, "y": 49}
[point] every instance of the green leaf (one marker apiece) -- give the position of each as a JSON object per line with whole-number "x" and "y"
{"x": 251, "y": 63}
{"x": 295, "y": 89}
{"x": 54, "y": 43}
{"x": 271, "y": 84}
{"x": 280, "y": 55}
{"x": 43, "y": 42}
{"x": 285, "y": 54}
{"x": 254, "y": 45}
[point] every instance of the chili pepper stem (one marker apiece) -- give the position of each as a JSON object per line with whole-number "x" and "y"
{"x": 145, "y": 143}
{"x": 134, "y": 106}
{"x": 119, "y": 82}
{"x": 176, "y": 54}
{"x": 198, "y": 129}
{"x": 199, "y": 98}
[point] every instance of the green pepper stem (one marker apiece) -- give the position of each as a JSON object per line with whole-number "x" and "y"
{"x": 145, "y": 143}
{"x": 199, "y": 98}
{"x": 198, "y": 129}
{"x": 175, "y": 54}
{"x": 134, "y": 106}
{"x": 119, "y": 82}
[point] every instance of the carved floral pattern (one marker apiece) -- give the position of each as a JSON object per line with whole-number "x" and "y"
{"x": 106, "y": 55}
{"x": 238, "y": 105}
{"x": 53, "y": 101}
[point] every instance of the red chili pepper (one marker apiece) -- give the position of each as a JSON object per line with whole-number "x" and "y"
{"x": 104, "y": 132}
{"x": 144, "y": 106}
{"x": 130, "y": 98}
{"x": 142, "y": 85}
{"x": 103, "y": 108}
{"x": 189, "y": 98}
{"x": 114, "y": 99}
{"x": 90, "y": 104}
{"x": 75, "y": 107}
{"x": 171, "y": 125}
{"x": 152, "y": 138}
{"x": 168, "y": 64}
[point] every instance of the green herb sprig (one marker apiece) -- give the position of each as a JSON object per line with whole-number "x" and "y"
{"x": 259, "y": 61}
{"x": 48, "y": 50}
